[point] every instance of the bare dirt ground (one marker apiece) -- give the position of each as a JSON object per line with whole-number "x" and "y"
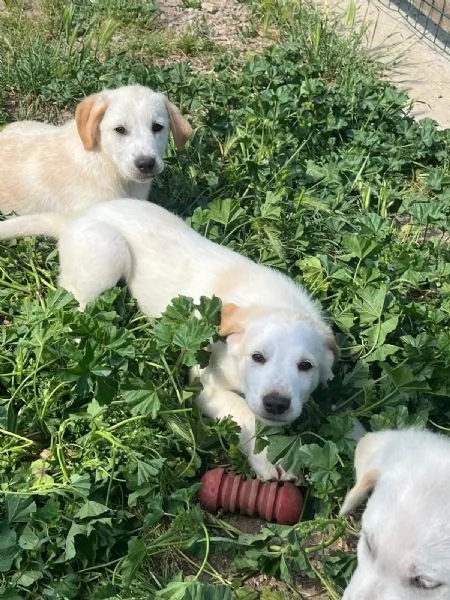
{"x": 224, "y": 19}
{"x": 420, "y": 68}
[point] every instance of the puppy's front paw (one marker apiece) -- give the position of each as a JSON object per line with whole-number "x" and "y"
{"x": 266, "y": 471}
{"x": 289, "y": 475}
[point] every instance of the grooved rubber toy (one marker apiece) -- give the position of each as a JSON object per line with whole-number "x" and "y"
{"x": 272, "y": 501}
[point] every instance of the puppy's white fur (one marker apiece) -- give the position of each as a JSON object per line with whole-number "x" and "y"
{"x": 404, "y": 548}
{"x": 278, "y": 348}
{"x": 113, "y": 148}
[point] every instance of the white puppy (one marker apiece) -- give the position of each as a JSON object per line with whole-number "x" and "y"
{"x": 113, "y": 148}
{"x": 278, "y": 348}
{"x": 404, "y": 548}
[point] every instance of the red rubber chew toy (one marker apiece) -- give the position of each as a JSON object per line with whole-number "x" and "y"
{"x": 272, "y": 501}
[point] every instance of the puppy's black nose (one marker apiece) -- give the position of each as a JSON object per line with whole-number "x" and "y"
{"x": 276, "y": 404}
{"x": 145, "y": 164}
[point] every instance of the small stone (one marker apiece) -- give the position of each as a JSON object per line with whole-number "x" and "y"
{"x": 210, "y": 7}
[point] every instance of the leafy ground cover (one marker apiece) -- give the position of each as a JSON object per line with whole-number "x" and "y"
{"x": 303, "y": 159}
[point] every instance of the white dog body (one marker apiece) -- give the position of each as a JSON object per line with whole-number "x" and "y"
{"x": 112, "y": 149}
{"x": 278, "y": 347}
{"x": 404, "y": 548}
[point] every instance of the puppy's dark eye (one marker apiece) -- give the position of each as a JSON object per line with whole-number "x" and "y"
{"x": 258, "y": 357}
{"x": 157, "y": 127}
{"x": 424, "y": 583}
{"x": 304, "y": 365}
{"x": 120, "y": 130}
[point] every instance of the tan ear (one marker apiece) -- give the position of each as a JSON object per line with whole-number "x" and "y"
{"x": 332, "y": 345}
{"x": 368, "y": 462}
{"x": 360, "y": 491}
{"x": 328, "y": 358}
{"x": 88, "y": 116}
{"x": 228, "y": 321}
{"x": 180, "y": 128}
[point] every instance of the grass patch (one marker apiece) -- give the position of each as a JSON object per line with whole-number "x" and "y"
{"x": 302, "y": 159}
{"x": 59, "y": 52}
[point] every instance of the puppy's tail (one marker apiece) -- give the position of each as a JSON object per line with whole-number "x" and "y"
{"x": 51, "y": 224}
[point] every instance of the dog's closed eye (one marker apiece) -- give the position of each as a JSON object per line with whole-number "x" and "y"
{"x": 423, "y": 583}
{"x": 368, "y": 544}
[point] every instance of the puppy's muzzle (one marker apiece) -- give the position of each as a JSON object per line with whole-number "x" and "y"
{"x": 275, "y": 404}
{"x": 145, "y": 165}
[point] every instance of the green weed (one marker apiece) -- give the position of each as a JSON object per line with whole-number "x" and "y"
{"x": 41, "y": 68}
{"x": 192, "y": 3}
{"x": 194, "y": 40}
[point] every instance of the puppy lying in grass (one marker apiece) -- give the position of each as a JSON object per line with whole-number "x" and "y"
{"x": 404, "y": 548}
{"x": 278, "y": 347}
{"x": 113, "y": 148}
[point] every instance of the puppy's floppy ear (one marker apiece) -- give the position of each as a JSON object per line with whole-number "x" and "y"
{"x": 368, "y": 472}
{"x": 331, "y": 354}
{"x": 88, "y": 116}
{"x": 332, "y": 345}
{"x": 360, "y": 491}
{"x": 229, "y": 323}
{"x": 180, "y": 128}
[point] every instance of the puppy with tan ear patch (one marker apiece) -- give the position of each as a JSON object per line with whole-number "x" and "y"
{"x": 277, "y": 348}
{"x": 113, "y": 148}
{"x": 274, "y": 358}
{"x": 404, "y": 548}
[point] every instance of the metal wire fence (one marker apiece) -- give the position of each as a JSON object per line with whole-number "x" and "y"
{"x": 431, "y": 17}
